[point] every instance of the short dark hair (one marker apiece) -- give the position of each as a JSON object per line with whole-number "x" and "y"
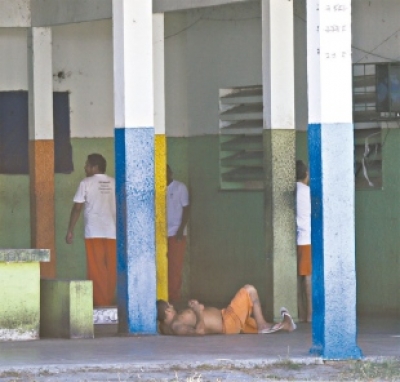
{"x": 162, "y": 306}
{"x": 97, "y": 160}
{"x": 301, "y": 170}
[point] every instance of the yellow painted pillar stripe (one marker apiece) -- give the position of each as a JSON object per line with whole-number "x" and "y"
{"x": 161, "y": 215}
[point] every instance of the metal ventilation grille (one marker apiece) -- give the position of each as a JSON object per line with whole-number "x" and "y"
{"x": 241, "y": 139}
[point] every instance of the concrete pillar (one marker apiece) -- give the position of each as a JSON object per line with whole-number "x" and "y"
{"x": 66, "y": 308}
{"x": 134, "y": 160}
{"x": 279, "y": 154}
{"x": 160, "y": 156}
{"x": 330, "y": 142}
{"x": 41, "y": 144}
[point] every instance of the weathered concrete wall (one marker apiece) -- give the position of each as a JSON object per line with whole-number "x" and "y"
{"x": 82, "y": 65}
{"x": 19, "y": 301}
{"x": 16, "y": 13}
{"x": 66, "y": 308}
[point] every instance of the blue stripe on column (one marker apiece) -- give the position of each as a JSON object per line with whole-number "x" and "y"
{"x": 331, "y": 148}
{"x": 134, "y": 161}
{"x": 317, "y": 239}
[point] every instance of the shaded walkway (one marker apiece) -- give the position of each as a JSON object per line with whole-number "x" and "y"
{"x": 377, "y": 338}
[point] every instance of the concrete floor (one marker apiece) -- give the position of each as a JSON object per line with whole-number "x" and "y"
{"x": 377, "y": 338}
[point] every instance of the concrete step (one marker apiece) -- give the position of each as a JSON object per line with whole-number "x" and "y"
{"x": 105, "y": 315}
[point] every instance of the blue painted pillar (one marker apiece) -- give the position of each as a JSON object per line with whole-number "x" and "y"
{"x": 330, "y": 140}
{"x": 134, "y": 161}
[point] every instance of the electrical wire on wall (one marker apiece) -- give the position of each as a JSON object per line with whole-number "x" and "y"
{"x": 206, "y": 16}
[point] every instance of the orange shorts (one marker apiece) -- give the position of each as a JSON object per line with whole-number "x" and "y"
{"x": 304, "y": 260}
{"x": 236, "y": 317}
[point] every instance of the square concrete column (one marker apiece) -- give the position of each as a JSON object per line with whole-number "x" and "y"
{"x": 41, "y": 144}
{"x": 331, "y": 148}
{"x": 134, "y": 161}
{"x": 279, "y": 155}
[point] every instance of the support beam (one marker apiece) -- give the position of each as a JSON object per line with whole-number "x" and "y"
{"x": 41, "y": 144}
{"x": 134, "y": 161}
{"x": 57, "y": 12}
{"x": 331, "y": 148}
{"x": 161, "y": 6}
{"x": 279, "y": 154}
{"x": 45, "y": 13}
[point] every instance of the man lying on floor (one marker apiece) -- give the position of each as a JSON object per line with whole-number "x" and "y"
{"x": 243, "y": 315}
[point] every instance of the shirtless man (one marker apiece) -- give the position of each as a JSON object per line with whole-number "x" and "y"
{"x": 243, "y": 315}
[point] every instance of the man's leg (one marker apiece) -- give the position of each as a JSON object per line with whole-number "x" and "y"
{"x": 257, "y": 311}
{"x": 301, "y": 298}
{"x": 264, "y": 326}
{"x": 176, "y": 256}
{"x": 308, "y": 293}
{"x": 96, "y": 270}
{"x": 237, "y": 316}
{"x": 304, "y": 282}
{"x": 111, "y": 261}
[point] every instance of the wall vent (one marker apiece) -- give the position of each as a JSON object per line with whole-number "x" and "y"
{"x": 241, "y": 138}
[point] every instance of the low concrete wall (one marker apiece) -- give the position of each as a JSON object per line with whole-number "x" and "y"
{"x": 20, "y": 293}
{"x": 66, "y": 308}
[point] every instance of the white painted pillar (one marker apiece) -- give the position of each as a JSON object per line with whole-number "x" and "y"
{"x": 331, "y": 151}
{"x": 134, "y": 159}
{"x": 41, "y": 144}
{"x": 279, "y": 153}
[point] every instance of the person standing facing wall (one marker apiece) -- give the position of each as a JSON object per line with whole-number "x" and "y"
{"x": 303, "y": 222}
{"x": 177, "y": 219}
{"x": 96, "y": 194}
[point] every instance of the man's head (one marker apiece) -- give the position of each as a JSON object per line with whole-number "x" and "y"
{"x": 301, "y": 171}
{"x": 95, "y": 164}
{"x": 169, "y": 175}
{"x": 164, "y": 310}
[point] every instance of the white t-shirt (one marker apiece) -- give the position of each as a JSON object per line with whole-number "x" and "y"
{"x": 177, "y": 198}
{"x": 303, "y": 214}
{"x": 98, "y": 194}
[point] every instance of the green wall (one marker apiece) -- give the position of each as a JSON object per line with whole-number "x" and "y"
{"x": 15, "y": 214}
{"x": 226, "y": 227}
{"x": 14, "y": 211}
{"x": 71, "y": 258}
{"x": 377, "y": 215}
{"x": 378, "y": 236}
{"x": 226, "y": 233}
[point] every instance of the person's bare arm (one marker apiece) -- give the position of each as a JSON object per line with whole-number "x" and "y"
{"x": 75, "y": 213}
{"x": 184, "y": 221}
{"x": 180, "y": 328}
